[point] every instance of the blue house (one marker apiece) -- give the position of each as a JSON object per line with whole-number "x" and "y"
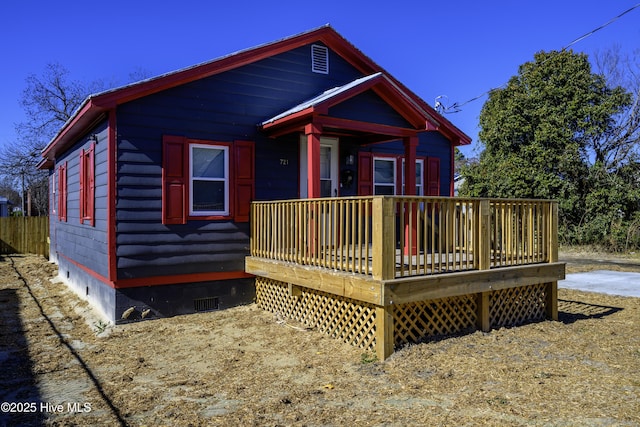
{"x": 151, "y": 183}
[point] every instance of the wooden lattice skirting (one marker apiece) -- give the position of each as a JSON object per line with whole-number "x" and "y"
{"x": 357, "y": 323}
{"x": 415, "y": 322}
{"x": 515, "y": 306}
{"x": 349, "y": 320}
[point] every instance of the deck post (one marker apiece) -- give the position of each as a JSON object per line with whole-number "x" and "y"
{"x": 383, "y": 242}
{"x": 553, "y": 232}
{"x": 484, "y": 236}
{"x": 483, "y": 314}
{"x": 384, "y": 332}
{"x": 483, "y": 320}
{"x": 551, "y": 303}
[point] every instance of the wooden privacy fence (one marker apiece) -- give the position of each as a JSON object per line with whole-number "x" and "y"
{"x": 24, "y": 235}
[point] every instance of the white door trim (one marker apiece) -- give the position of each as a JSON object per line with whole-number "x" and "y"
{"x": 334, "y": 145}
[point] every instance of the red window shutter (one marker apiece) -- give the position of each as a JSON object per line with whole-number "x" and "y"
{"x": 65, "y": 192}
{"x": 433, "y": 176}
{"x": 90, "y": 192}
{"x": 83, "y": 185}
{"x": 365, "y": 174}
{"x": 174, "y": 180}
{"x": 87, "y": 185}
{"x": 62, "y": 192}
{"x": 244, "y": 177}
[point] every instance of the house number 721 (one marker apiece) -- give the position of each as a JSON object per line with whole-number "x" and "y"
{"x": 284, "y": 162}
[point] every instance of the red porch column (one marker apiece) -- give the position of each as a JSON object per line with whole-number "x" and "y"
{"x": 411, "y": 231}
{"x": 313, "y": 133}
{"x": 410, "y": 145}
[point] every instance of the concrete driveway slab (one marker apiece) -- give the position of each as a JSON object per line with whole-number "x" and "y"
{"x": 605, "y": 282}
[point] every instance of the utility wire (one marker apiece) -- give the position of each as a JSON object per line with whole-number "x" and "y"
{"x": 611, "y": 21}
{"x": 455, "y": 107}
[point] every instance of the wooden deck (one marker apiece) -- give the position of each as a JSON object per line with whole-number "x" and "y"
{"x": 394, "y": 263}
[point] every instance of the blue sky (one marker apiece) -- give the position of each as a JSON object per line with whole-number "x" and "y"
{"x": 458, "y": 49}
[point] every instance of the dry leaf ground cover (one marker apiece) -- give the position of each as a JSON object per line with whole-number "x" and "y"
{"x": 244, "y": 366}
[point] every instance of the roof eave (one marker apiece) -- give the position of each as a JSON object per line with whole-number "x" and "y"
{"x": 85, "y": 117}
{"x": 90, "y": 111}
{"x": 96, "y": 105}
{"x": 45, "y": 164}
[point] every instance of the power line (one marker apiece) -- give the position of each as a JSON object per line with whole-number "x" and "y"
{"x": 456, "y": 107}
{"x": 611, "y": 21}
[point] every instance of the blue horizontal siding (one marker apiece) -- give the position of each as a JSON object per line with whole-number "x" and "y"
{"x": 224, "y": 107}
{"x": 277, "y": 168}
{"x": 369, "y": 107}
{"x": 83, "y": 243}
{"x": 434, "y": 144}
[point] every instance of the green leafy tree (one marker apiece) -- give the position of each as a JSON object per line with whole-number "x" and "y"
{"x": 551, "y": 133}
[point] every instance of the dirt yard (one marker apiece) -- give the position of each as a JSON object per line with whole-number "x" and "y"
{"x": 61, "y": 366}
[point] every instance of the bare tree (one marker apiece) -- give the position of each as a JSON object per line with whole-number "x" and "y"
{"x": 620, "y": 145}
{"x": 48, "y": 100}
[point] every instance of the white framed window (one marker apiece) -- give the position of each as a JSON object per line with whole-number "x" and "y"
{"x": 419, "y": 177}
{"x": 208, "y": 180}
{"x": 384, "y": 176}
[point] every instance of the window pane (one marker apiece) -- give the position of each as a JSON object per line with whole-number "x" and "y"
{"x": 325, "y": 188}
{"x": 383, "y": 190}
{"x": 208, "y": 163}
{"x": 325, "y": 162}
{"x": 208, "y": 195}
{"x": 419, "y": 191}
{"x": 384, "y": 172}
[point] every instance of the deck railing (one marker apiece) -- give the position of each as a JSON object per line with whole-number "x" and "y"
{"x": 389, "y": 237}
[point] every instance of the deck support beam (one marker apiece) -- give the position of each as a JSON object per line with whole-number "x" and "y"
{"x": 483, "y": 312}
{"x": 384, "y": 332}
{"x": 551, "y": 303}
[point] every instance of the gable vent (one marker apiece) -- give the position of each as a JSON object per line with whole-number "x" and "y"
{"x": 319, "y": 59}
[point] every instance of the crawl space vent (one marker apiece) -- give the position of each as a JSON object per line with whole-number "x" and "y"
{"x": 205, "y": 304}
{"x": 319, "y": 59}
